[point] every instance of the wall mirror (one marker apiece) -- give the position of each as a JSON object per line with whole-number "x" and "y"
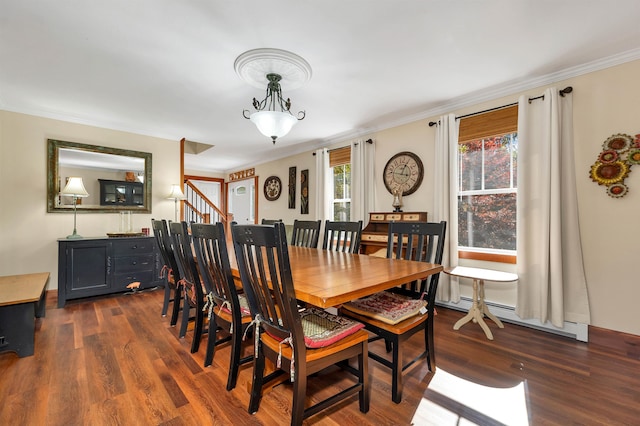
{"x": 116, "y": 179}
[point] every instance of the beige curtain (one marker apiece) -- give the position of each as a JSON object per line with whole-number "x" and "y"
{"x": 363, "y": 181}
{"x": 552, "y": 285}
{"x": 323, "y": 183}
{"x": 445, "y": 201}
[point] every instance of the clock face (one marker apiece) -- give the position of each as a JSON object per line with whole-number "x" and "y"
{"x": 404, "y": 173}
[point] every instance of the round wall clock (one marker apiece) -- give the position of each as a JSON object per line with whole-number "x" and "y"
{"x": 403, "y": 172}
{"x": 272, "y": 188}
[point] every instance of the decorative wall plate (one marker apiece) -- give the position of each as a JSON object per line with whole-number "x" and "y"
{"x": 272, "y": 188}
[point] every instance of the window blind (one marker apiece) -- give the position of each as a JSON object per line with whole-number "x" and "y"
{"x": 340, "y": 156}
{"x": 488, "y": 124}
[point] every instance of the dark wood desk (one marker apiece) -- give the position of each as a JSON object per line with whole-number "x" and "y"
{"x": 21, "y": 302}
{"x": 327, "y": 278}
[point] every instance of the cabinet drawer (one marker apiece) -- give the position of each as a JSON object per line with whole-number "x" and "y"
{"x": 133, "y": 247}
{"x": 121, "y": 281}
{"x": 133, "y": 263}
{"x": 375, "y": 237}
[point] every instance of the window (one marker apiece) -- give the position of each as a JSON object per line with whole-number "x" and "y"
{"x": 340, "y": 163}
{"x": 487, "y": 166}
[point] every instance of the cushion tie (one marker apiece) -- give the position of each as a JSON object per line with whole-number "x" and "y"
{"x": 256, "y": 335}
{"x": 189, "y": 286}
{"x": 165, "y": 271}
{"x": 289, "y": 341}
{"x": 209, "y": 303}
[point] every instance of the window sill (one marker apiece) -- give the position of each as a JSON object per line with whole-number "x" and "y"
{"x": 487, "y": 257}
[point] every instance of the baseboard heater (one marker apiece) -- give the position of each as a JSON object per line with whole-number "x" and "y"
{"x": 574, "y": 330}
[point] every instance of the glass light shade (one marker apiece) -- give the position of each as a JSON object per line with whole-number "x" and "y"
{"x": 75, "y": 187}
{"x": 273, "y": 124}
{"x": 176, "y": 193}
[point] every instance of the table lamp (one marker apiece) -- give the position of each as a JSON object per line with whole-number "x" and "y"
{"x": 175, "y": 195}
{"x": 75, "y": 189}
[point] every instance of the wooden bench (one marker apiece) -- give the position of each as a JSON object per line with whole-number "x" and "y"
{"x": 22, "y": 300}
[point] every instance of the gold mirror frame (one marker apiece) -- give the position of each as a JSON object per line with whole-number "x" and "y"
{"x": 53, "y": 177}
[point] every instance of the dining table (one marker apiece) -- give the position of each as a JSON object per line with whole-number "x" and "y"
{"x": 326, "y": 278}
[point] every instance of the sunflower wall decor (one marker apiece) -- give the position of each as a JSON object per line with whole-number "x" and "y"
{"x": 619, "y": 153}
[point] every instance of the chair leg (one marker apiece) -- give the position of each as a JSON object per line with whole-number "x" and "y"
{"x": 211, "y": 342}
{"x": 396, "y": 374}
{"x": 258, "y": 380}
{"x": 186, "y": 313}
{"x": 197, "y": 330}
{"x": 234, "y": 361}
{"x": 176, "y": 306}
{"x": 299, "y": 394}
{"x": 363, "y": 378}
{"x": 428, "y": 336}
{"x": 167, "y": 299}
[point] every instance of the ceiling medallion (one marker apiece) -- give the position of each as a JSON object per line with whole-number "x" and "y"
{"x": 272, "y": 115}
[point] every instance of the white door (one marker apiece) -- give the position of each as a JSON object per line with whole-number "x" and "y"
{"x": 241, "y": 201}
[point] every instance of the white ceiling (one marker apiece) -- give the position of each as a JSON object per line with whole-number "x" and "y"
{"x": 165, "y": 67}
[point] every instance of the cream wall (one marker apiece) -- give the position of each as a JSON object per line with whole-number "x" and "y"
{"x": 605, "y": 102}
{"x": 279, "y": 209}
{"x": 29, "y": 233}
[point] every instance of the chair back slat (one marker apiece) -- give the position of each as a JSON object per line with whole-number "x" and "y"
{"x": 419, "y": 241}
{"x": 182, "y": 249}
{"x": 342, "y": 236}
{"x": 210, "y": 246}
{"x": 306, "y": 233}
{"x": 163, "y": 239}
{"x": 270, "y": 221}
{"x": 262, "y": 255}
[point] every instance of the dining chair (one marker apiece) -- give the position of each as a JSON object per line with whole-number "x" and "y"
{"x": 170, "y": 273}
{"x": 306, "y": 233}
{"x": 228, "y": 312}
{"x": 342, "y": 236}
{"x": 397, "y": 314}
{"x": 193, "y": 299}
{"x": 298, "y": 343}
{"x": 270, "y": 221}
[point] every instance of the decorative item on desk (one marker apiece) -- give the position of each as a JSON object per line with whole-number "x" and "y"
{"x": 74, "y": 188}
{"x": 145, "y": 231}
{"x": 125, "y": 222}
{"x": 397, "y": 200}
{"x": 175, "y": 195}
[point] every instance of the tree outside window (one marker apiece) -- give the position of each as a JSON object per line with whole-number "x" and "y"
{"x": 487, "y": 193}
{"x": 342, "y": 192}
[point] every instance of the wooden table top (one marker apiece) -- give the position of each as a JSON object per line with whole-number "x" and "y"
{"x": 326, "y": 278}
{"x": 25, "y": 288}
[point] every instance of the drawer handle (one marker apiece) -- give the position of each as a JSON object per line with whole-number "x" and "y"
{"x": 134, "y": 247}
{"x": 134, "y": 263}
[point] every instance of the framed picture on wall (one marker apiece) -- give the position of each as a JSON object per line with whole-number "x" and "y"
{"x": 292, "y": 187}
{"x": 304, "y": 191}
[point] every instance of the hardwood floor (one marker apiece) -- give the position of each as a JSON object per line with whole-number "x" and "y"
{"x": 116, "y": 361}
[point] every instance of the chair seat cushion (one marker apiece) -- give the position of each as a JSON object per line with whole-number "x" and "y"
{"x": 323, "y": 329}
{"x": 244, "y": 306}
{"x": 387, "y": 307}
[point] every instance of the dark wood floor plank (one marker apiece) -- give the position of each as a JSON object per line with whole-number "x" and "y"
{"x": 116, "y": 361}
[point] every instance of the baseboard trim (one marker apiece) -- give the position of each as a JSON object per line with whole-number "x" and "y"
{"x": 507, "y": 314}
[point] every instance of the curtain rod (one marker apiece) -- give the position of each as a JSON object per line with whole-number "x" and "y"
{"x": 563, "y": 92}
{"x": 369, "y": 141}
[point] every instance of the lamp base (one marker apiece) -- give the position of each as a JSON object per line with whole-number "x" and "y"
{"x": 74, "y": 236}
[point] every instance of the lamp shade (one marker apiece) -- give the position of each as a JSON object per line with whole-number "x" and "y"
{"x": 74, "y": 187}
{"x": 273, "y": 124}
{"x": 176, "y": 193}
